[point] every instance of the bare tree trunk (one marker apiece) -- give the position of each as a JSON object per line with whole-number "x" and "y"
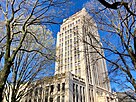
{"x": 8, "y": 63}
{"x": 4, "y": 74}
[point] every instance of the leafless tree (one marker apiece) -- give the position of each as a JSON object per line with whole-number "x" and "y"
{"x": 17, "y": 17}
{"x": 31, "y": 66}
{"x": 117, "y": 27}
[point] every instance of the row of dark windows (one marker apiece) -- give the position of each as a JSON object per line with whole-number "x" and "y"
{"x": 58, "y": 87}
{"x": 38, "y": 91}
{"x": 71, "y": 24}
{"x": 76, "y": 93}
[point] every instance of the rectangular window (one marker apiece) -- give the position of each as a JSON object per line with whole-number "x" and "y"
{"x": 39, "y": 99}
{"x": 73, "y": 92}
{"x": 36, "y": 91}
{"x": 63, "y": 86}
{"x": 51, "y": 99}
{"x": 81, "y": 93}
{"x": 58, "y": 87}
{"x": 46, "y": 98}
{"x": 52, "y": 88}
{"x": 47, "y": 89}
{"x": 35, "y": 100}
{"x": 58, "y": 99}
{"x": 63, "y": 98}
{"x": 70, "y": 30}
{"x": 76, "y": 93}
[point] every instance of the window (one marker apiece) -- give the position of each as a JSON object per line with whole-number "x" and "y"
{"x": 73, "y": 28}
{"x": 79, "y": 72}
{"x": 39, "y": 100}
{"x": 75, "y": 69}
{"x": 46, "y": 98}
{"x": 51, "y": 99}
{"x": 63, "y": 98}
{"x": 40, "y": 90}
{"x": 81, "y": 93}
{"x": 73, "y": 23}
{"x": 70, "y": 41}
{"x": 76, "y": 93}
{"x": 70, "y": 46}
{"x": 52, "y": 88}
{"x": 36, "y": 91}
{"x": 76, "y": 22}
{"x": 58, "y": 87}
{"x": 74, "y": 33}
{"x": 35, "y": 100}
{"x": 71, "y": 59}
{"x": 73, "y": 92}
{"x": 47, "y": 89}
{"x": 70, "y": 30}
{"x": 71, "y": 66}
{"x": 63, "y": 86}
{"x": 58, "y": 99}
{"x": 76, "y": 27}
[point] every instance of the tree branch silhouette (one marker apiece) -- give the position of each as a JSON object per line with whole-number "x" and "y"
{"x": 115, "y": 6}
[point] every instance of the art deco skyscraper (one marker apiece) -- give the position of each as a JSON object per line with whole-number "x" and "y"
{"x": 74, "y": 54}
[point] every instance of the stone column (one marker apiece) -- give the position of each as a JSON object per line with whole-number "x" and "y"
{"x": 69, "y": 87}
{"x": 79, "y": 94}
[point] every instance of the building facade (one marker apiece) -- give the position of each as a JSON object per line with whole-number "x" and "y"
{"x": 79, "y": 74}
{"x": 74, "y": 54}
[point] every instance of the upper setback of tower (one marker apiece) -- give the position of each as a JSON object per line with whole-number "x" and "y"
{"x": 75, "y": 25}
{"x": 70, "y": 26}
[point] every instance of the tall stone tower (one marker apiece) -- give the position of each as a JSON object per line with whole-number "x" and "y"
{"x": 74, "y": 52}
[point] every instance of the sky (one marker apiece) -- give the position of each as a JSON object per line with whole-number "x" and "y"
{"x": 76, "y": 6}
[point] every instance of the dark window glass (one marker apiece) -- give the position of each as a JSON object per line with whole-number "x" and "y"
{"x": 36, "y": 91}
{"x": 51, "y": 99}
{"x": 52, "y": 88}
{"x": 73, "y": 92}
{"x": 46, "y": 98}
{"x": 63, "y": 86}
{"x": 58, "y": 87}
{"x": 35, "y": 100}
{"x": 76, "y": 93}
{"x": 81, "y": 93}
{"x": 58, "y": 99}
{"x": 47, "y": 90}
{"x": 39, "y": 100}
{"x": 63, "y": 98}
